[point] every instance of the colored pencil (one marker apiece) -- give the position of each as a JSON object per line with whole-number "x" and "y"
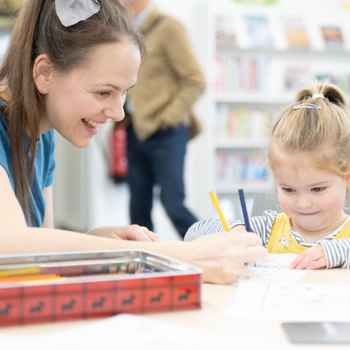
{"x": 216, "y": 203}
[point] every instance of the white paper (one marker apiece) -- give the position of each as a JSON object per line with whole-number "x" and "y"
{"x": 135, "y": 333}
{"x": 271, "y": 264}
{"x": 298, "y": 302}
{"x": 275, "y": 270}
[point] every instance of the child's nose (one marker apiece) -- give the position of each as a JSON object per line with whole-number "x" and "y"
{"x": 304, "y": 202}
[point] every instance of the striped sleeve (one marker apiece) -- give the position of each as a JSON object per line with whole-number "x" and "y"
{"x": 337, "y": 253}
{"x": 208, "y": 227}
{"x": 261, "y": 225}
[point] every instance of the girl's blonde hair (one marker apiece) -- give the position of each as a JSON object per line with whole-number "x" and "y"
{"x": 39, "y": 31}
{"x": 319, "y": 136}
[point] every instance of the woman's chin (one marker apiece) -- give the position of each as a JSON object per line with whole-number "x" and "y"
{"x": 81, "y": 143}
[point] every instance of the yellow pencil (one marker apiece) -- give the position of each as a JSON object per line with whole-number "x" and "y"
{"x": 28, "y": 278}
{"x": 21, "y": 272}
{"x": 216, "y": 203}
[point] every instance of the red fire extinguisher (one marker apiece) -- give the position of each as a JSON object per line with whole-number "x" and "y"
{"x": 119, "y": 159}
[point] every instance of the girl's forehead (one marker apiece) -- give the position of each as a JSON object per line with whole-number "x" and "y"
{"x": 302, "y": 175}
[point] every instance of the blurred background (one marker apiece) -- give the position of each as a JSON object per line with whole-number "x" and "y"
{"x": 255, "y": 54}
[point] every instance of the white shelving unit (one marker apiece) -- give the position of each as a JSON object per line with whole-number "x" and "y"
{"x": 273, "y": 94}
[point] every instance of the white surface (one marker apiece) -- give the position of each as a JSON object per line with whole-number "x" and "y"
{"x": 298, "y": 302}
{"x": 132, "y": 332}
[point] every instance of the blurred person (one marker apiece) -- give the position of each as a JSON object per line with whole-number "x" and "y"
{"x": 161, "y": 117}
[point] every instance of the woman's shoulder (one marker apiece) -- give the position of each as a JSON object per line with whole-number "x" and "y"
{"x": 48, "y": 140}
{"x": 48, "y": 136}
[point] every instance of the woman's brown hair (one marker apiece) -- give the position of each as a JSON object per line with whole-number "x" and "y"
{"x": 38, "y": 31}
{"x": 319, "y": 135}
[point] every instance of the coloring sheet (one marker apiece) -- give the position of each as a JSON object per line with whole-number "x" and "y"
{"x": 271, "y": 264}
{"x": 298, "y": 302}
{"x": 275, "y": 270}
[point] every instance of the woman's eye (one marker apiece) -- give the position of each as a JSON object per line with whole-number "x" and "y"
{"x": 287, "y": 189}
{"x": 318, "y": 189}
{"x": 103, "y": 93}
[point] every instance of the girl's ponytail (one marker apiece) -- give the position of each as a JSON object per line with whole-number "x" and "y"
{"x": 331, "y": 93}
{"x": 334, "y": 95}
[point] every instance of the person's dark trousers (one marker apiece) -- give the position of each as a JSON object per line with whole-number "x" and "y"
{"x": 158, "y": 160}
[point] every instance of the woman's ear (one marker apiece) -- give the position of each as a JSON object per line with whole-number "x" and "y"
{"x": 42, "y": 73}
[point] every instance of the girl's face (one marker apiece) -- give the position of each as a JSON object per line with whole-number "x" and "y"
{"x": 80, "y": 102}
{"x": 313, "y": 199}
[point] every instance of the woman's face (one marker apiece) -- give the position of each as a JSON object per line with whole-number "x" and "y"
{"x": 80, "y": 102}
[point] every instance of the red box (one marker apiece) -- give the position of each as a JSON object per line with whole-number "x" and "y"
{"x": 140, "y": 282}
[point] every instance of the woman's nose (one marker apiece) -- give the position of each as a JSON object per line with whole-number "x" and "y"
{"x": 115, "y": 111}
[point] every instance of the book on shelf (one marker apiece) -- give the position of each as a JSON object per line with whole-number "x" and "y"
{"x": 237, "y": 74}
{"x": 296, "y": 33}
{"x": 345, "y": 5}
{"x": 258, "y": 2}
{"x": 242, "y": 123}
{"x": 297, "y": 78}
{"x": 225, "y": 33}
{"x": 342, "y": 81}
{"x": 333, "y": 37}
{"x": 235, "y": 170}
{"x": 259, "y": 31}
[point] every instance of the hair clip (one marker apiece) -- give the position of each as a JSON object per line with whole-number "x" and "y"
{"x": 71, "y": 12}
{"x": 307, "y": 105}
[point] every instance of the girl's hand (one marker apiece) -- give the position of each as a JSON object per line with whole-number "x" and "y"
{"x": 315, "y": 255}
{"x": 128, "y": 233}
{"x": 225, "y": 256}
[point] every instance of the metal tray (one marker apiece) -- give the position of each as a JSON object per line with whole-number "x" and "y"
{"x": 128, "y": 264}
{"x": 96, "y": 284}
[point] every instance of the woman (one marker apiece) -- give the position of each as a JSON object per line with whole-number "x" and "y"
{"x": 68, "y": 68}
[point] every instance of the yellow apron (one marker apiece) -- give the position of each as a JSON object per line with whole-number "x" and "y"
{"x": 282, "y": 241}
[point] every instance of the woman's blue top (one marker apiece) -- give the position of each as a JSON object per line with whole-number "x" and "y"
{"x": 44, "y": 168}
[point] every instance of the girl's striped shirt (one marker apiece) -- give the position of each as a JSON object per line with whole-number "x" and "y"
{"x": 337, "y": 252}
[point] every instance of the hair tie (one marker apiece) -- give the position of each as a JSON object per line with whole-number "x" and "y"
{"x": 317, "y": 96}
{"x": 71, "y": 12}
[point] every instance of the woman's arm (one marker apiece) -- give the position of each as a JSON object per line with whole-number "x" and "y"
{"x": 48, "y": 221}
{"x": 222, "y": 256}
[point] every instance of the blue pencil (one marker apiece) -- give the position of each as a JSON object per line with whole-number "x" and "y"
{"x": 244, "y": 210}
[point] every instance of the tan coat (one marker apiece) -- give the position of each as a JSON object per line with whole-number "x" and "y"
{"x": 169, "y": 81}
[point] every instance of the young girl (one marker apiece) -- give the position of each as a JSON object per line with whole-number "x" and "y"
{"x": 309, "y": 155}
{"x": 68, "y": 68}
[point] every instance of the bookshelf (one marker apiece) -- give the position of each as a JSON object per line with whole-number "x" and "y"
{"x": 257, "y": 58}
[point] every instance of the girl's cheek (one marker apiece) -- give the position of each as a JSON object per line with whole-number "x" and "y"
{"x": 283, "y": 201}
